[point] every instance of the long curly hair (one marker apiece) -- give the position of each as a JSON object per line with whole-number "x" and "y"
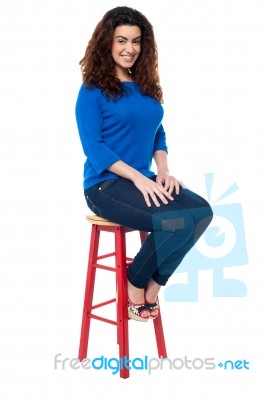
{"x": 98, "y": 67}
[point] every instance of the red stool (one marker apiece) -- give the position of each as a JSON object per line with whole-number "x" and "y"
{"x": 121, "y": 261}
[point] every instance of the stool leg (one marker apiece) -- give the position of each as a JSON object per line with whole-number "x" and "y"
{"x": 122, "y": 315}
{"x": 86, "y": 319}
{"x": 158, "y": 329}
{"x": 143, "y": 236}
{"x": 157, "y": 322}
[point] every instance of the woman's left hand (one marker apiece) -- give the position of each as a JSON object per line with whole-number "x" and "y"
{"x": 169, "y": 182}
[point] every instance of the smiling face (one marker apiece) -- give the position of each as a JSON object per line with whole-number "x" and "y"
{"x": 126, "y": 48}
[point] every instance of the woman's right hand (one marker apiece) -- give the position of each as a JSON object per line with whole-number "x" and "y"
{"x": 152, "y": 190}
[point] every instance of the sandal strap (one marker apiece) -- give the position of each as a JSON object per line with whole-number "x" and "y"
{"x": 153, "y": 305}
{"x": 137, "y": 308}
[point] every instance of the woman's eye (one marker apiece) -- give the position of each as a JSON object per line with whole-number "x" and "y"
{"x": 121, "y": 41}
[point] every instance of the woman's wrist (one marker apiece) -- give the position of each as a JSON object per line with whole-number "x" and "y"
{"x": 160, "y": 158}
{"x": 162, "y": 171}
{"x": 125, "y": 171}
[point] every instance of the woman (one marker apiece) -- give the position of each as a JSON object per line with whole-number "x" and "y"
{"x": 119, "y": 116}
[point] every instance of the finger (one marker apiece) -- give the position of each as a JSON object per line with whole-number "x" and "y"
{"x": 160, "y": 181}
{"x": 155, "y": 199}
{"x": 167, "y": 183}
{"x": 147, "y": 199}
{"x": 168, "y": 187}
{"x": 177, "y": 188}
{"x": 161, "y": 185}
{"x": 158, "y": 193}
{"x": 172, "y": 185}
{"x": 166, "y": 193}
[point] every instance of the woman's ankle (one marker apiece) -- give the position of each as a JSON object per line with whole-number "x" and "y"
{"x": 152, "y": 291}
{"x": 136, "y": 295}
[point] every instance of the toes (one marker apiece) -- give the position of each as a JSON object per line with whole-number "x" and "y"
{"x": 154, "y": 313}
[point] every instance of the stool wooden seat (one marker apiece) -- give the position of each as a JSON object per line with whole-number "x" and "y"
{"x": 95, "y": 219}
{"x": 100, "y": 224}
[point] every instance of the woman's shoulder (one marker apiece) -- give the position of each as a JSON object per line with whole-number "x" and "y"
{"x": 90, "y": 94}
{"x": 90, "y": 90}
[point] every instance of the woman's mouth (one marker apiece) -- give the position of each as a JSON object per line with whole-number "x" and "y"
{"x": 128, "y": 58}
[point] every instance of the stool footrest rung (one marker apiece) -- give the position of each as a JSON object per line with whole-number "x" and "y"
{"x": 104, "y": 303}
{"x": 109, "y": 321}
{"x": 104, "y": 267}
{"x": 106, "y": 255}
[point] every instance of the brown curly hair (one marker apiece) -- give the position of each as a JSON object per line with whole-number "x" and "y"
{"x": 98, "y": 66}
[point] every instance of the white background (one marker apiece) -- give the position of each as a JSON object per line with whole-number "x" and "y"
{"x": 212, "y": 64}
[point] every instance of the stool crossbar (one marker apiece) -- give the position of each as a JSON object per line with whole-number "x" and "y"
{"x": 100, "y": 224}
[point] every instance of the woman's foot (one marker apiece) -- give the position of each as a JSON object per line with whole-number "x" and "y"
{"x": 151, "y": 298}
{"x": 139, "y": 312}
{"x": 153, "y": 307}
{"x": 137, "y": 309}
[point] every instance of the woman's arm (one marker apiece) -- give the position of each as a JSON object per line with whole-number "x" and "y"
{"x": 89, "y": 121}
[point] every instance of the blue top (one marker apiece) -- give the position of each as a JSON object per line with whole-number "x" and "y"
{"x": 127, "y": 129}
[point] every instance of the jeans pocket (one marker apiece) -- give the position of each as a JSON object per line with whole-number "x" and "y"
{"x": 103, "y": 186}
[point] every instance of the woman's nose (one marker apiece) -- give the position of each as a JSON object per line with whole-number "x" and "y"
{"x": 129, "y": 47}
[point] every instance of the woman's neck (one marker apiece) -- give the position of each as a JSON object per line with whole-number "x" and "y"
{"x": 125, "y": 76}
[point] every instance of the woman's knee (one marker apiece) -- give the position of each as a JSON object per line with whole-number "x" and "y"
{"x": 202, "y": 220}
{"x": 208, "y": 212}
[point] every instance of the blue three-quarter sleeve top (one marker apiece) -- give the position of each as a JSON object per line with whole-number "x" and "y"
{"x": 127, "y": 129}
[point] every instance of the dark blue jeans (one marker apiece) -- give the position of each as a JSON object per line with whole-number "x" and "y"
{"x": 174, "y": 228}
